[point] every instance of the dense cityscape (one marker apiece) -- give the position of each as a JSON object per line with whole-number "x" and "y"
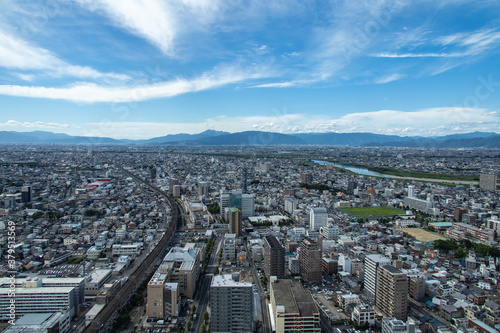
{"x": 248, "y": 239}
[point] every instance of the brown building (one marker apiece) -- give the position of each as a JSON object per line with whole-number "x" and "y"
{"x": 306, "y": 178}
{"x": 458, "y": 213}
{"x": 417, "y": 288}
{"x": 274, "y": 258}
{"x": 235, "y": 221}
{"x": 392, "y": 292}
{"x": 310, "y": 262}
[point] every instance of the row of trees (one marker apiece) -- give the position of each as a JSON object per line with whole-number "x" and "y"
{"x": 462, "y": 247}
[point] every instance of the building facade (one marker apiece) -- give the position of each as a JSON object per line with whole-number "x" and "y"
{"x": 310, "y": 262}
{"x": 231, "y": 304}
{"x": 274, "y": 258}
{"x": 392, "y": 292}
{"x": 293, "y": 308}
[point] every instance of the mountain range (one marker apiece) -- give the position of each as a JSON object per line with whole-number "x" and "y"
{"x": 219, "y": 138}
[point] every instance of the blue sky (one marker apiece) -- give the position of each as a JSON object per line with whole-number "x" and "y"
{"x": 145, "y": 68}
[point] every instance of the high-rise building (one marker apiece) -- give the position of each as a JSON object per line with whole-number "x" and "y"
{"x": 202, "y": 189}
{"x": 237, "y": 199}
{"x": 310, "y": 262}
{"x": 290, "y": 205}
{"x": 458, "y": 213}
{"x": 417, "y": 288}
{"x": 26, "y": 194}
{"x": 306, "y": 178}
{"x": 488, "y": 181}
{"x": 411, "y": 191}
{"x": 318, "y": 218}
{"x": 392, "y": 292}
{"x": 293, "y": 308}
{"x": 274, "y": 258}
{"x": 372, "y": 262}
{"x": 164, "y": 301}
{"x": 231, "y": 304}
{"x": 235, "y": 221}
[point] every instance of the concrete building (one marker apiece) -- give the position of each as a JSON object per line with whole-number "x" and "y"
{"x": 488, "y": 181}
{"x": 41, "y": 322}
{"x": 202, "y": 189}
{"x": 237, "y": 199}
{"x": 363, "y": 314}
{"x": 235, "y": 221}
{"x": 392, "y": 292}
{"x": 229, "y": 247}
{"x": 274, "y": 258}
{"x": 163, "y": 298}
{"x": 293, "y": 308}
{"x": 33, "y": 297}
{"x": 330, "y": 231}
{"x": 290, "y": 205}
{"x": 97, "y": 279}
{"x": 393, "y": 325}
{"x": 310, "y": 262}
{"x": 231, "y": 304}
{"x": 318, "y": 218}
{"x": 372, "y": 262}
{"x": 182, "y": 266}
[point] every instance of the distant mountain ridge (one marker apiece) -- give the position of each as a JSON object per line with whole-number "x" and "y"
{"x": 220, "y": 138}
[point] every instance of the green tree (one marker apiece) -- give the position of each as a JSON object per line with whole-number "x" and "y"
{"x": 206, "y": 316}
{"x": 216, "y": 271}
{"x": 189, "y": 325}
{"x": 460, "y": 253}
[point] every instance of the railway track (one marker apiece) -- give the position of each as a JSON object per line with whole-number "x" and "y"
{"x": 100, "y": 323}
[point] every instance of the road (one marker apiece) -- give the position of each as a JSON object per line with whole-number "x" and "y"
{"x": 266, "y": 322}
{"x": 202, "y": 304}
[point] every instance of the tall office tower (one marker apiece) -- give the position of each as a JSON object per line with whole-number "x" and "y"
{"x": 488, "y": 181}
{"x": 294, "y": 309}
{"x": 202, "y": 189}
{"x": 306, "y": 178}
{"x": 247, "y": 205}
{"x": 318, "y": 217}
{"x": 26, "y": 194}
{"x": 351, "y": 185}
{"x": 245, "y": 202}
{"x": 411, "y": 191}
{"x": 231, "y": 304}
{"x": 373, "y": 261}
{"x": 235, "y": 221}
{"x": 274, "y": 258}
{"x": 290, "y": 205}
{"x": 310, "y": 261}
{"x": 392, "y": 292}
{"x": 171, "y": 183}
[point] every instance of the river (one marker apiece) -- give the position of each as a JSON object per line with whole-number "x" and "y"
{"x": 359, "y": 171}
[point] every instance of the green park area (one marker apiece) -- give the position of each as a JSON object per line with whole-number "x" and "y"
{"x": 372, "y": 211}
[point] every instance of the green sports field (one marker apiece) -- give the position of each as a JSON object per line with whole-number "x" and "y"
{"x": 373, "y": 211}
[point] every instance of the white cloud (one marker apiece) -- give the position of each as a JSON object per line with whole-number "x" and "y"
{"x": 93, "y": 93}
{"x": 389, "y": 78}
{"x": 159, "y": 22}
{"x": 18, "y": 54}
{"x": 416, "y": 55}
{"x": 26, "y": 125}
